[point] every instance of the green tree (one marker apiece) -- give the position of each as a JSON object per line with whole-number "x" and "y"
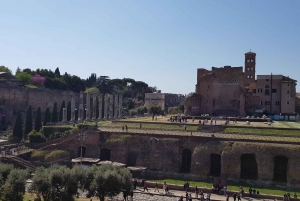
{"x": 18, "y": 131}
{"x": 14, "y": 187}
{"x": 130, "y": 104}
{"x": 132, "y": 112}
{"x": 5, "y": 169}
{"x": 5, "y": 69}
{"x": 54, "y": 113}
{"x": 56, "y": 72}
{"x": 107, "y": 180}
{"x": 69, "y": 112}
{"x": 24, "y": 77}
{"x": 38, "y": 120}
{"x": 92, "y": 90}
{"x": 63, "y": 105}
{"x": 142, "y": 110}
{"x": 28, "y": 124}
{"x": 155, "y": 110}
{"x": 36, "y": 137}
{"x": 47, "y": 117}
{"x": 181, "y": 107}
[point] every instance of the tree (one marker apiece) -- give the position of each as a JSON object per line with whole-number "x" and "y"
{"x": 47, "y": 117}
{"x": 56, "y": 72}
{"x": 39, "y": 80}
{"x": 181, "y": 107}
{"x": 5, "y": 69}
{"x": 24, "y": 78}
{"x": 103, "y": 86}
{"x": 18, "y": 70}
{"x": 14, "y": 187}
{"x": 54, "y": 113}
{"x": 142, "y": 110}
{"x": 107, "y": 180}
{"x": 17, "y": 132}
{"x": 132, "y": 112}
{"x": 155, "y": 109}
{"x": 69, "y": 112}
{"x": 61, "y": 111}
{"x": 92, "y": 90}
{"x": 130, "y": 104}
{"x": 28, "y": 124}
{"x": 38, "y": 120}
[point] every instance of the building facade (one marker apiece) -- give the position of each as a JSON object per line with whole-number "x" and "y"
{"x": 164, "y": 100}
{"x": 234, "y": 91}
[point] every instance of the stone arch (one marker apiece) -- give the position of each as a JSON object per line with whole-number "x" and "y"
{"x": 215, "y": 165}
{"x": 248, "y": 166}
{"x": 186, "y": 160}
{"x": 105, "y": 154}
{"x": 79, "y": 151}
{"x": 280, "y": 168}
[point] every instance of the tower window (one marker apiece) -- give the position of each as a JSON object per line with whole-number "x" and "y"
{"x": 288, "y": 102}
{"x": 252, "y": 68}
{"x": 267, "y": 102}
{"x": 260, "y": 102}
{"x": 277, "y": 103}
{"x": 274, "y": 91}
{"x": 251, "y": 76}
{"x": 288, "y": 92}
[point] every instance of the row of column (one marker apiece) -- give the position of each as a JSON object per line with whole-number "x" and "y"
{"x": 112, "y": 107}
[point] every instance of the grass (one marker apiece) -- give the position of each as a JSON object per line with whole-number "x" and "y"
{"x": 49, "y": 155}
{"x": 234, "y": 187}
{"x": 154, "y": 126}
{"x": 31, "y": 86}
{"x": 31, "y": 197}
{"x": 257, "y": 131}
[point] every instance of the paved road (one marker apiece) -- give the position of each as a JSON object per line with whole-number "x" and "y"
{"x": 203, "y": 134}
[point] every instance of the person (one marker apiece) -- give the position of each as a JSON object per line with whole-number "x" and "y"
{"x": 295, "y": 196}
{"x": 140, "y": 125}
{"x": 190, "y": 197}
{"x": 250, "y": 191}
{"x": 207, "y": 196}
{"x": 165, "y": 187}
{"x": 239, "y": 197}
{"x": 234, "y": 197}
{"x": 123, "y": 128}
{"x": 197, "y": 192}
{"x": 156, "y": 187}
{"x": 185, "y": 127}
{"x": 224, "y": 189}
{"x": 145, "y": 187}
{"x": 180, "y": 198}
{"x": 253, "y": 192}
{"x": 186, "y": 196}
{"x": 125, "y": 196}
{"x": 126, "y": 128}
{"x": 227, "y": 197}
{"x": 187, "y": 185}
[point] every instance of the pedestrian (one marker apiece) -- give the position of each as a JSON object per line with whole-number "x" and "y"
{"x": 207, "y": 196}
{"x": 250, "y": 191}
{"x": 186, "y": 196}
{"x": 197, "y": 192}
{"x": 190, "y": 197}
{"x": 123, "y": 128}
{"x": 126, "y": 128}
{"x": 295, "y": 196}
{"x": 239, "y": 197}
{"x": 125, "y": 195}
{"x": 227, "y": 197}
{"x": 185, "y": 127}
{"x": 180, "y": 198}
{"x": 224, "y": 189}
{"x": 145, "y": 187}
{"x": 140, "y": 125}
{"x": 234, "y": 197}
{"x": 131, "y": 196}
{"x": 156, "y": 187}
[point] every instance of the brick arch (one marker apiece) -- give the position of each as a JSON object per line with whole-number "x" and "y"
{"x": 105, "y": 154}
{"x": 280, "y": 168}
{"x": 215, "y": 165}
{"x": 186, "y": 160}
{"x": 248, "y": 166}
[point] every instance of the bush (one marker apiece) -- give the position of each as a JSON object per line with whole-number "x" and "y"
{"x": 132, "y": 112}
{"x": 50, "y": 130}
{"x": 81, "y": 126}
{"x": 36, "y": 137}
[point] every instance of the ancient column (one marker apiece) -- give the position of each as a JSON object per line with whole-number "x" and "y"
{"x": 88, "y": 107}
{"x": 72, "y": 109}
{"x": 94, "y": 106}
{"x": 64, "y": 117}
{"x": 80, "y": 109}
{"x": 111, "y": 109}
{"x": 105, "y": 106}
{"x": 100, "y": 106}
{"x": 116, "y": 106}
{"x": 120, "y": 105}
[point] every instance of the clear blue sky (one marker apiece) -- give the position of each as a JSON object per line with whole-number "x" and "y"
{"x": 160, "y": 42}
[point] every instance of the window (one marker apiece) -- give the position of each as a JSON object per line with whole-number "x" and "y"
{"x": 260, "y": 102}
{"x": 288, "y": 92}
{"x": 248, "y": 76}
{"x": 267, "y": 91}
{"x": 267, "y": 102}
{"x": 248, "y": 68}
{"x": 254, "y": 90}
{"x": 251, "y": 60}
{"x": 277, "y": 103}
{"x": 248, "y": 60}
{"x": 267, "y": 79}
{"x": 274, "y": 91}
{"x": 251, "y": 76}
{"x": 288, "y": 102}
{"x": 252, "y": 68}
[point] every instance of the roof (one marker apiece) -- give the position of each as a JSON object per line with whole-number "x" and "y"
{"x": 250, "y": 52}
{"x": 4, "y": 76}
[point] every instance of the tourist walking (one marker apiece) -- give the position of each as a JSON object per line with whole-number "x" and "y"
{"x": 197, "y": 192}
{"x": 156, "y": 187}
{"x": 145, "y": 187}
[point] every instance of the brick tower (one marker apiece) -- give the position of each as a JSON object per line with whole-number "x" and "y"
{"x": 250, "y": 63}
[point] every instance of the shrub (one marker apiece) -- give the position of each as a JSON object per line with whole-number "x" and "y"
{"x": 36, "y": 137}
{"x": 50, "y": 130}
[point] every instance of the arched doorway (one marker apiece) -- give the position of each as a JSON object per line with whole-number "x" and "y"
{"x": 248, "y": 166}
{"x": 215, "y": 165}
{"x": 83, "y": 150}
{"x": 186, "y": 160}
{"x": 104, "y": 154}
{"x": 280, "y": 168}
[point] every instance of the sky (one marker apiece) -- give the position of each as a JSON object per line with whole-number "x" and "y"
{"x": 160, "y": 42}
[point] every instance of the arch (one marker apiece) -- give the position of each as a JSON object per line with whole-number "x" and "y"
{"x": 186, "y": 160}
{"x": 79, "y": 151}
{"x": 104, "y": 154}
{"x": 215, "y": 165}
{"x": 280, "y": 168}
{"x": 248, "y": 166}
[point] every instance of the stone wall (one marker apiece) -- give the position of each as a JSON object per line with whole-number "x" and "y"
{"x": 165, "y": 154}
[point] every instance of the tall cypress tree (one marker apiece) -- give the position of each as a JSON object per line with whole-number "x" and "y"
{"x": 38, "y": 120}
{"x": 18, "y": 131}
{"x": 69, "y": 112}
{"x": 54, "y": 113}
{"x": 63, "y": 105}
{"x": 47, "y": 117}
{"x": 28, "y": 125}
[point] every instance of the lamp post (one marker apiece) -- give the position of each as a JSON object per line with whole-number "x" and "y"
{"x": 81, "y": 138}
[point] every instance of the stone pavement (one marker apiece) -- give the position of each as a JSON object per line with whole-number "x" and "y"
{"x": 140, "y": 195}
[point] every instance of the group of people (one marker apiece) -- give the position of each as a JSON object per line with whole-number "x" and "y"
{"x": 125, "y": 127}
{"x": 178, "y": 119}
{"x": 287, "y": 196}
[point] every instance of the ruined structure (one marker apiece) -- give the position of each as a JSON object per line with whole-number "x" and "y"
{"x": 234, "y": 91}
{"x": 164, "y": 100}
{"x": 199, "y": 157}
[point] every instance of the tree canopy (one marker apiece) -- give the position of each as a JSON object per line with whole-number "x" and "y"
{"x": 5, "y": 69}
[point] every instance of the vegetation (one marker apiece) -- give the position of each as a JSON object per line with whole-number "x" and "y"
{"x": 47, "y": 117}
{"x": 258, "y": 131}
{"x": 54, "y": 113}
{"x": 24, "y": 78}
{"x": 38, "y": 120}
{"x": 155, "y": 110}
{"x": 36, "y": 137}
{"x": 5, "y": 69}
{"x": 49, "y": 155}
{"x": 28, "y": 124}
{"x": 18, "y": 131}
